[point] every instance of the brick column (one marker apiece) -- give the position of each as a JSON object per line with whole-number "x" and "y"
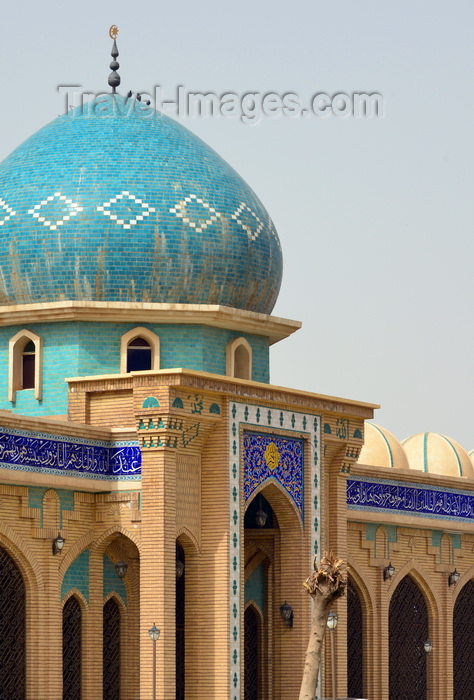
{"x": 93, "y": 630}
{"x": 51, "y": 615}
{"x": 158, "y": 556}
{"x": 344, "y": 454}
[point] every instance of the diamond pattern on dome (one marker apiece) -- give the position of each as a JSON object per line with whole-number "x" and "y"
{"x": 193, "y": 217}
{"x": 272, "y": 229}
{"x": 144, "y": 209}
{"x": 243, "y": 215}
{"x": 9, "y": 210}
{"x": 72, "y": 209}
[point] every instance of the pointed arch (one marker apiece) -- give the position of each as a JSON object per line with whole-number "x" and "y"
{"x": 24, "y": 558}
{"x": 13, "y": 626}
{"x": 72, "y": 648}
{"x": 463, "y": 638}
{"x": 281, "y": 502}
{"x": 239, "y": 358}
{"x": 90, "y": 541}
{"x": 112, "y": 617}
{"x": 16, "y": 363}
{"x": 187, "y": 539}
{"x": 80, "y": 598}
{"x": 421, "y": 578}
{"x": 465, "y": 577}
{"x": 409, "y": 628}
{"x": 151, "y": 339}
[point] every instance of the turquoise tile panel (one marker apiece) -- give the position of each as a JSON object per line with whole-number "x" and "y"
{"x": 77, "y": 576}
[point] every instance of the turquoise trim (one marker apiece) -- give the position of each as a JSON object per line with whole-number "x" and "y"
{"x": 370, "y": 531}
{"x": 456, "y": 543}
{"x": 386, "y": 442}
{"x": 455, "y": 452}
{"x": 425, "y": 452}
{"x": 391, "y": 531}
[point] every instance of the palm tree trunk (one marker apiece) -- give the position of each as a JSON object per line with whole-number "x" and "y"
{"x": 327, "y": 583}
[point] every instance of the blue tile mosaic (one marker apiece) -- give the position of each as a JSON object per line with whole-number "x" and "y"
{"x": 26, "y": 451}
{"x": 412, "y": 499}
{"x": 271, "y": 456}
{"x": 114, "y": 204}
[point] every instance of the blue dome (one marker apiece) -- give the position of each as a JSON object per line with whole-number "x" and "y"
{"x": 116, "y": 205}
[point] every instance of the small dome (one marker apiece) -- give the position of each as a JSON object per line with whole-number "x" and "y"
{"x": 436, "y": 454}
{"x": 381, "y": 449}
{"x": 109, "y": 203}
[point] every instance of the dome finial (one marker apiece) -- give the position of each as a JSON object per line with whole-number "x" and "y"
{"x": 114, "y": 77}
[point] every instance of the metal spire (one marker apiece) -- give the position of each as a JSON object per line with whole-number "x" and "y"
{"x": 114, "y": 77}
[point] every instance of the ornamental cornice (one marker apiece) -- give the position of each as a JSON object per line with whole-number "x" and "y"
{"x": 239, "y": 389}
{"x": 271, "y": 327}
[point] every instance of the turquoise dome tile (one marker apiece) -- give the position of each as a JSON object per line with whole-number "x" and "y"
{"x": 111, "y": 204}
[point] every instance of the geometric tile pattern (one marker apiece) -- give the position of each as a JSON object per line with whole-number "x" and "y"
{"x": 197, "y": 222}
{"x": 9, "y": 211}
{"x": 243, "y": 216}
{"x": 142, "y": 210}
{"x": 300, "y": 427}
{"x": 387, "y": 496}
{"x": 71, "y": 208}
{"x": 274, "y": 457}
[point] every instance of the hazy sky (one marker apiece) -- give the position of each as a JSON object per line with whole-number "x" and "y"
{"x": 374, "y": 215}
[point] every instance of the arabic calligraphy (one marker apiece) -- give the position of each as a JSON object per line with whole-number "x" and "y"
{"x": 409, "y": 499}
{"x": 39, "y": 453}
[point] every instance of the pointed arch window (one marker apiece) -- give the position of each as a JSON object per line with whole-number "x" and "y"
{"x": 408, "y": 631}
{"x": 12, "y": 629}
{"x": 111, "y": 651}
{"x": 239, "y": 359}
{"x": 355, "y": 643}
{"x": 138, "y": 355}
{"x": 25, "y": 364}
{"x": 72, "y": 650}
{"x": 140, "y": 350}
{"x": 28, "y": 366}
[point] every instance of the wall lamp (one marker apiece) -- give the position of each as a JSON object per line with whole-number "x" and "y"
{"x": 58, "y": 544}
{"x": 428, "y": 646}
{"x": 260, "y": 516}
{"x": 453, "y": 578}
{"x": 121, "y": 568}
{"x": 286, "y": 612}
{"x": 388, "y": 572}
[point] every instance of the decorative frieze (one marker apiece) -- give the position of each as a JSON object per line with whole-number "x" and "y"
{"x": 43, "y": 453}
{"x": 413, "y": 499}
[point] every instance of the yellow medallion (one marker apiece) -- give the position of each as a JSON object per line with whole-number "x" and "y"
{"x": 272, "y": 456}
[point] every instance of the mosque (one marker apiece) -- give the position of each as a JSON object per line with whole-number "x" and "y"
{"x": 161, "y": 502}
